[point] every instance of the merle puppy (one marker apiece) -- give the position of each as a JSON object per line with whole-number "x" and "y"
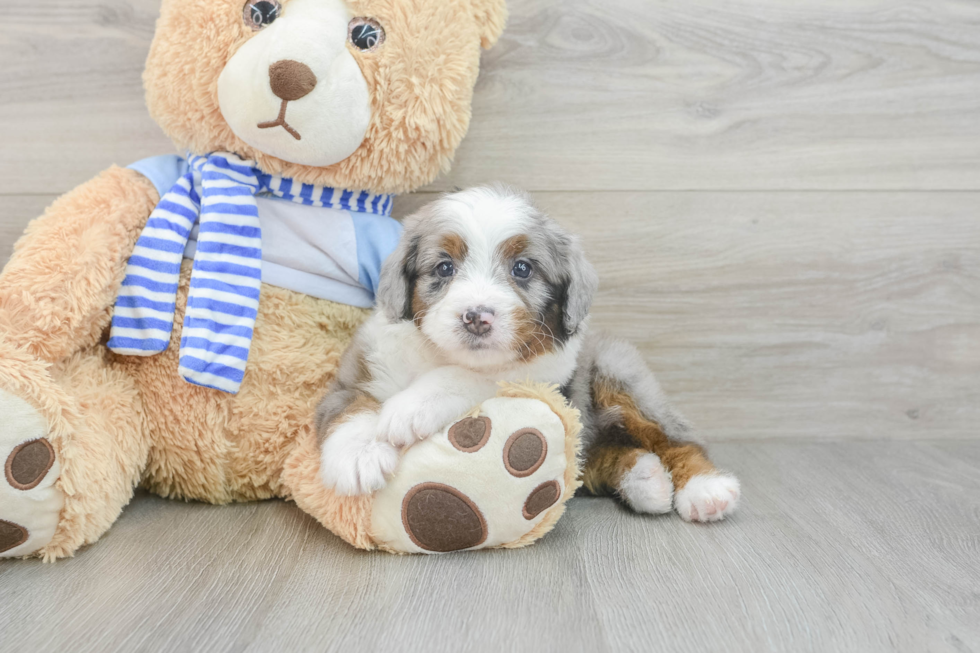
{"x": 485, "y": 288}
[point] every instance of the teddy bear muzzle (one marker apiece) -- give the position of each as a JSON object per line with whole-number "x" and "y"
{"x": 289, "y": 80}
{"x": 294, "y": 89}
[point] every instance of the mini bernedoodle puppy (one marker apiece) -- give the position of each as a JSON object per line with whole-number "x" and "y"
{"x": 484, "y": 288}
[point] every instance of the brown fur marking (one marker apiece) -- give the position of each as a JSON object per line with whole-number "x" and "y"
{"x": 455, "y": 246}
{"x": 682, "y": 459}
{"x": 531, "y": 337}
{"x": 606, "y": 467}
{"x": 513, "y": 247}
{"x": 419, "y": 306}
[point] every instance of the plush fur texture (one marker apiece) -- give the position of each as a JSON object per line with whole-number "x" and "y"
{"x": 420, "y": 84}
{"x": 116, "y": 422}
{"x": 81, "y": 242}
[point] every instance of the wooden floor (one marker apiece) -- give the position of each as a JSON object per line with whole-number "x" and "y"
{"x": 845, "y": 546}
{"x": 783, "y": 202}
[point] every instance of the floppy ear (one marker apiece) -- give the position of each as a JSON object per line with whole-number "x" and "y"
{"x": 399, "y": 275}
{"x": 581, "y": 284}
{"x": 491, "y": 15}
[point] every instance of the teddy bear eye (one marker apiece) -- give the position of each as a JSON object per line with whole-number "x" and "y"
{"x": 260, "y": 13}
{"x": 365, "y": 34}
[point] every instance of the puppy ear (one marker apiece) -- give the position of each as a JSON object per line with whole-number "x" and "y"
{"x": 491, "y": 15}
{"x": 581, "y": 283}
{"x": 399, "y": 275}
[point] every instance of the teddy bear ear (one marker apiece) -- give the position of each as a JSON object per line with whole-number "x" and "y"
{"x": 491, "y": 15}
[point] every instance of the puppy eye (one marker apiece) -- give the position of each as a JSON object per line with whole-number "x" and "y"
{"x": 260, "y": 13}
{"x": 365, "y": 34}
{"x": 445, "y": 269}
{"x": 521, "y": 270}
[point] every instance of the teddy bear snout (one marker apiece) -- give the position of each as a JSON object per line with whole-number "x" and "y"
{"x": 291, "y": 80}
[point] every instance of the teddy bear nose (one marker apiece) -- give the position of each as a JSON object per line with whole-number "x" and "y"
{"x": 291, "y": 80}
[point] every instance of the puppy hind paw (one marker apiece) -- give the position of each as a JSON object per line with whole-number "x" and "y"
{"x": 353, "y": 462}
{"x": 707, "y": 497}
{"x": 647, "y": 486}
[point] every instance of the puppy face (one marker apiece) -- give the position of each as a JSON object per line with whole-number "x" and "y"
{"x": 488, "y": 279}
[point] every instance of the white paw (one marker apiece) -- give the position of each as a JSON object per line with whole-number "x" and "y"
{"x": 353, "y": 461}
{"x": 647, "y": 486}
{"x": 30, "y": 504}
{"x": 406, "y": 419}
{"x": 707, "y": 497}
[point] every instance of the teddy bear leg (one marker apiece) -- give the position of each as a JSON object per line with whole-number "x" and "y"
{"x": 72, "y": 447}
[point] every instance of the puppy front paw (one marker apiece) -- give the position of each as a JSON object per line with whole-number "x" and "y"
{"x": 407, "y": 418}
{"x": 707, "y": 497}
{"x": 353, "y": 461}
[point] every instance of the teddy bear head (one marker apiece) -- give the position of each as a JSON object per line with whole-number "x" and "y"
{"x": 360, "y": 94}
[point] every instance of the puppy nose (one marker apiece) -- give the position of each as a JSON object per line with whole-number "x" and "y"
{"x": 291, "y": 80}
{"x": 478, "y": 320}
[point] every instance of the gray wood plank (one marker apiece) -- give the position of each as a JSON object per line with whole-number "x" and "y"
{"x": 844, "y": 546}
{"x": 584, "y": 95}
{"x": 716, "y": 94}
{"x": 15, "y": 212}
{"x": 793, "y": 314}
{"x": 779, "y": 315}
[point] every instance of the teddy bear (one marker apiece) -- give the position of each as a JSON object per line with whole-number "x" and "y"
{"x": 173, "y": 324}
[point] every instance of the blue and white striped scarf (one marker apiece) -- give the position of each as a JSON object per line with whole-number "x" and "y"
{"x": 222, "y": 303}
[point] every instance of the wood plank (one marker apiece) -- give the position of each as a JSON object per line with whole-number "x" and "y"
{"x": 585, "y": 95}
{"x": 793, "y": 314}
{"x": 716, "y": 94}
{"x": 780, "y": 315}
{"x": 15, "y": 212}
{"x": 866, "y": 546}
{"x": 71, "y": 92}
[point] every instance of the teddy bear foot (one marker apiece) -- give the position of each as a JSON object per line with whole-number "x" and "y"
{"x": 30, "y": 504}
{"x": 487, "y": 480}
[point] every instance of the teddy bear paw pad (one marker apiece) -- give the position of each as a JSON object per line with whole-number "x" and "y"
{"x": 484, "y": 481}
{"x": 440, "y": 518}
{"x": 30, "y": 504}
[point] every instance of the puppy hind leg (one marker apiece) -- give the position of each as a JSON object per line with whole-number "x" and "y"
{"x": 637, "y": 476}
{"x": 701, "y": 491}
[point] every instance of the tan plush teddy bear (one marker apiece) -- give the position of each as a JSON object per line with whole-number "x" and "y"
{"x": 172, "y": 325}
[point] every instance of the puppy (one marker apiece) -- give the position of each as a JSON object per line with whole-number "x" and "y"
{"x": 484, "y": 288}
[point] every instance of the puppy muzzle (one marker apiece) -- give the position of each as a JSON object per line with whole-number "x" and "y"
{"x": 478, "y": 320}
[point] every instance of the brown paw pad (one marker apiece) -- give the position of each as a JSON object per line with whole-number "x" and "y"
{"x": 28, "y": 464}
{"x": 11, "y": 535}
{"x": 524, "y": 452}
{"x": 541, "y": 498}
{"x": 470, "y": 434}
{"x": 440, "y": 518}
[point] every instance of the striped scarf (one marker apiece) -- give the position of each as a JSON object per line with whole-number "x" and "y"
{"x": 218, "y": 192}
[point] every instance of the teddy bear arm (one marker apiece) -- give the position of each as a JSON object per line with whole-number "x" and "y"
{"x": 57, "y": 290}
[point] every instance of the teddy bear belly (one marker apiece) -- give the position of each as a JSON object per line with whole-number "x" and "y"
{"x": 218, "y": 447}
